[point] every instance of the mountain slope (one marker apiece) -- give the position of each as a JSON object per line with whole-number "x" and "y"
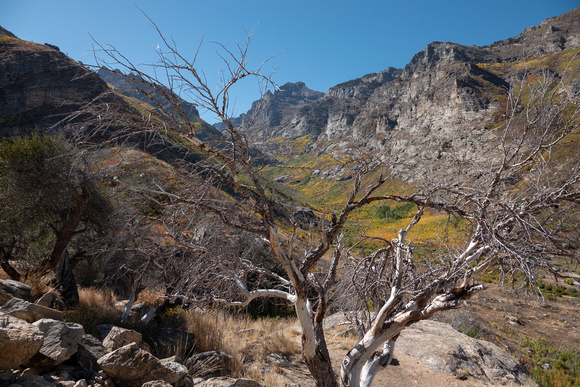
{"x": 39, "y": 85}
{"x": 440, "y": 108}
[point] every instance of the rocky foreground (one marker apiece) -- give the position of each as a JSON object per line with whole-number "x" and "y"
{"x": 38, "y": 348}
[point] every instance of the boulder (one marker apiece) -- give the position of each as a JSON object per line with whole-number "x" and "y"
{"x": 60, "y": 342}
{"x": 178, "y": 368}
{"x": 131, "y": 366}
{"x": 7, "y": 377}
{"x": 119, "y": 337}
{"x": 11, "y": 288}
{"x": 50, "y": 300}
{"x": 229, "y": 382}
{"x": 156, "y": 383}
{"x": 19, "y": 341}
{"x": 28, "y": 311}
{"x": 90, "y": 349}
{"x": 442, "y": 349}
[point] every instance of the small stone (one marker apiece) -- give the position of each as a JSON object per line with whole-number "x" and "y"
{"x": 33, "y": 371}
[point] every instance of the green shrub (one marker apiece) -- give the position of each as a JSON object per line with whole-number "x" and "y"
{"x": 551, "y": 366}
{"x": 395, "y": 213}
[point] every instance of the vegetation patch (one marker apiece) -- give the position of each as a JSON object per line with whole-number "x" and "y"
{"x": 550, "y": 366}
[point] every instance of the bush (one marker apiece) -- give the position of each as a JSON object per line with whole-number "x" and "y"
{"x": 395, "y": 213}
{"x": 551, "y": 366}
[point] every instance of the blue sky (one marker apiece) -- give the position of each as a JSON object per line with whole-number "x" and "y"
{"x": 322, "y": 43}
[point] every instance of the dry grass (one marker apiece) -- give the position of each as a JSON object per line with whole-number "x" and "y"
{"x": 38, "y": 284}
{"x": 96, "y": 306}
{"x": 98, "y": 298}
{"x": 248, "y": 341}
{"x": 150, "y": 296}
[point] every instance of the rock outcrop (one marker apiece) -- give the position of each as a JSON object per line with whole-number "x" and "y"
{"x": 442, "y": 349}
{"x": 39, "y": 85}
{"x": 282, "y": 109}
{"x": 440, "y": 109}
{"x": 28, "y": 311}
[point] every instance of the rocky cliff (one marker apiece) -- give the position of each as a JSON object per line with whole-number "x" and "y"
{"x": 131, "y": 86}
{"x": 436, "y": 110}
{"x": 282, "y": 109}
{"x": 39, "y": 85}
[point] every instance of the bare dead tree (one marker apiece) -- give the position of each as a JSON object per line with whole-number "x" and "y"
{"x": 518, "y": 215}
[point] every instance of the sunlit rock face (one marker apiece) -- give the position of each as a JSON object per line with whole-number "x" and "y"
{"x": 441, "y": 110}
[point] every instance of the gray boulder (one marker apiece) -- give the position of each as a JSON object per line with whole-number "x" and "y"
{"x": 178, "y": 368}
{"x": 19, "y": 341}
{"x": 28, "y": 311}
{"x": 90, "y": 349}
{"x": 131, "y": 366}
{"x": 34, "y": 381}
{"x": 60, "y": 342}
{"x": 441, "y": 348}
{"x": 229, "y": 382}
{"x": 11, "y": 288}
{"x": 119, "y": 337}
{"x": 156, "y": 383}
{"x": 50, "y": 300}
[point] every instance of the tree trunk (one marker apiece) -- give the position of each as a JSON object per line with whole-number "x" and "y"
{"x": 320, "y": 365}
{"x": 64, "y": 236}
{"x": 314, "y": 349}
{"x": 10, "y": 270}
{"x": 363, "y": 361}
{"x": 66, "y": 283}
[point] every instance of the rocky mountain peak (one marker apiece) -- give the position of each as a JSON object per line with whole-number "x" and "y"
{"x": 278, "y": 108}
{"x": 298, "y": 91}
{"x": 438, "y": 55}
{"x": 362, "y": 87}
{"x": 552, "y": 35}
{"x": 439, "y": 107}
{"x": 5, "y": 32}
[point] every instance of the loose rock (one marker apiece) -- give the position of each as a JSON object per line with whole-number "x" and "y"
{"x": 11, "y": 288}
{"x": 131, "y": 366}
{"x": 119, "y": 337}
{"x": 60, "y": 342}
{"x": 229, "y": 382}
{"x": 28, "y": 311}
{"x": 19, "y": 341}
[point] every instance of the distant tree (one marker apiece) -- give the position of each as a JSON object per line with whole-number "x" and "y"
{"x": 518, "y": 215}
{"x": 47, "y": 196}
